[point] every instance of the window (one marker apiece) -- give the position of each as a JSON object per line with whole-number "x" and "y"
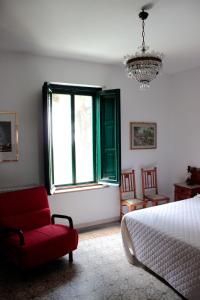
{"x": 81, "y": 135}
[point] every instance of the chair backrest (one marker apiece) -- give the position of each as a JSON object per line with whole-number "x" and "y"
{"x": 149, "y": 180}
{"x": 26, "y": 209}
{"x": 128, "y": 187}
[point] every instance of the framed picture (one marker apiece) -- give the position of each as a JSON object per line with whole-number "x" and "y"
{"x": 8, "y": 137}
{"x": 143, "y": 135}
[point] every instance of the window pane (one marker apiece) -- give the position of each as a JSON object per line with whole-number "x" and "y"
{"x": 61, "y": 130}
{"x": 83, "y": 138}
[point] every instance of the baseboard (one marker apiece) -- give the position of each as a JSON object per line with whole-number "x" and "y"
{"x": 17, "y": 188}
{"x": 96, "y": 224}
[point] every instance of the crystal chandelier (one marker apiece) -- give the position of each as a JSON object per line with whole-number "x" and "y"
{"x": 144, "y": 66}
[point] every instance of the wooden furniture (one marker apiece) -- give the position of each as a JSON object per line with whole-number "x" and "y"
{"x": 150, "y": 187}
{"x": 185, "y": 191}
{"x": 128, "y": 197}
{"x": 189, "y": 188}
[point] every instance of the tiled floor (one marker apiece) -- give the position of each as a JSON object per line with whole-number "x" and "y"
{"x": 104, "y": 230}
{"x": 100, "y": 271}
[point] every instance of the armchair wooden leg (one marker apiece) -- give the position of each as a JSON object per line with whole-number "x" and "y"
{"x": 70, "y": 257}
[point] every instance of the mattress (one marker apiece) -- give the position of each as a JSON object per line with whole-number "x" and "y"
{"x": 166, "y": 239}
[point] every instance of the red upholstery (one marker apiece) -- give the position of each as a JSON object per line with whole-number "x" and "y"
{"x": 29, "y": 210}
{"x": 26, "y": 209}
{"x": 27, "y": 221}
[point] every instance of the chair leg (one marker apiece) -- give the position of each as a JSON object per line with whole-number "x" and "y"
{"x": 131, "y": 207}
{"x": 70, "y": 257}
{"x": 121, "y": 212}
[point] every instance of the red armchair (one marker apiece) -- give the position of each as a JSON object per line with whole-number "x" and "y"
{"x": 28, "y": 233}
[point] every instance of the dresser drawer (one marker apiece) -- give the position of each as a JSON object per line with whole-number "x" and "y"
{"x": 182, "y": 195}
{"x": 184, "y": 192}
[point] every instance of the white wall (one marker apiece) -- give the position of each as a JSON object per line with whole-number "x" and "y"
{"x": 21, "y": 80}
{"x": 185, "y": 124}
{"x": 146, "y": 106}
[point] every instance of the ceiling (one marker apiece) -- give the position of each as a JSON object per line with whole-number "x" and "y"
{"x": 102, "y": 30}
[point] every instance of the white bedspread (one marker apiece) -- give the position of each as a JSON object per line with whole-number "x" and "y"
{"x": 166, "y": 239}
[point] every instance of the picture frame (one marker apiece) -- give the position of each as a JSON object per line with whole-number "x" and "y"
{"x": 9, "y": 149}
{"x": 143, "y": 135}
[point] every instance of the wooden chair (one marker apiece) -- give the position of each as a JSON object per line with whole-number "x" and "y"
{"x": 150, "y": 187}
{"x": 128, "y": 193}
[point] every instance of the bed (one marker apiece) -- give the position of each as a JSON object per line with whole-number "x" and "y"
{"x": 166, "y": 239}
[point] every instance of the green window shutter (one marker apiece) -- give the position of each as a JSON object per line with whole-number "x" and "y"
{"x": 47, "y": 132}
{"x": 108, "y": 136}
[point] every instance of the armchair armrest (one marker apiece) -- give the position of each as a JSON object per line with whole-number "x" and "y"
{"x": 62, "y": 217}
{"x": 7, "y": 230}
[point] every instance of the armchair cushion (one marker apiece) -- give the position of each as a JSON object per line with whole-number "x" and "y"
{"x": 26, "y": 209}
{"x": 41, "y": 245}
{"x": 27, "y": 221}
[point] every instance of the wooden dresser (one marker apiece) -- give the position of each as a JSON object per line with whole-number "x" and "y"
{"x": 184, "y": 191}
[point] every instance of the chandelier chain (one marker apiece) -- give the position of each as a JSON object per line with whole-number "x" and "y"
{"x": 143, "y": 35}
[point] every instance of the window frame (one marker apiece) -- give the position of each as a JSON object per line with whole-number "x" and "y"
{"x": 96, "y": 93}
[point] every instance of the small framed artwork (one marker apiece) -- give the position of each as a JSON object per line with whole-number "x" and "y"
{"x": 8, "y": 137}
{"x": 143, "y": 135}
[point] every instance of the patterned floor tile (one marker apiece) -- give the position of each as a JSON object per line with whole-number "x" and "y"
{"x": 100, "y": 272}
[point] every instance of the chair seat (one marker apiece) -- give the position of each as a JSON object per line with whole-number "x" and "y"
{"x": 134, "y": 201}
{"x": 41, "y": 245}
{"x": 156, "y": 197}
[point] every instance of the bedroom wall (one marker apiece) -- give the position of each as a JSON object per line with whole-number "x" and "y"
{"x": 184, "y": 122}
{"x": 21, "y": 79}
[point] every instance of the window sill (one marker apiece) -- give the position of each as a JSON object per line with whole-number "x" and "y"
{"x": 79, "y": 188}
